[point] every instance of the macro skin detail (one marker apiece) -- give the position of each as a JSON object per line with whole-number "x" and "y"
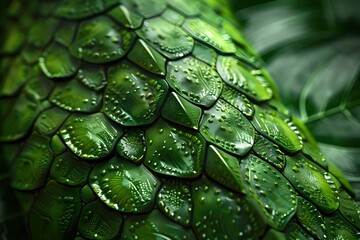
{"x": 154, "y": 119}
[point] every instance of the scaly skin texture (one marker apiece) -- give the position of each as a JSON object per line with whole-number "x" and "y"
{"x": 155, "y": 120}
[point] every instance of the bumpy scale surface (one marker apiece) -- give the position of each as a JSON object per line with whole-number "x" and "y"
{"x": 153, "y": 119}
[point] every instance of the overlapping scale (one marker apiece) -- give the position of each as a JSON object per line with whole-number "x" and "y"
{"x": 174, "y": 200}
{"x": 269, "y": 151}
{"x": 205, "y": 54}
{"x": 349, "y": 208}
{"x": 75, "y": 10}
{"x": 56, "y": 62}
{"x": 147, "y": 57}
{"x": 174, "y": 151}
{"x": 148, "y": 8}
{"x": 154, "y": 226}
{"x": 188, "y": 136}
{"x": 90, "y": 136}
{"x": 237, "y": 76}
{"x": 101, "y": 40}
{"x": 173, "y": 17}
{"x": 50, "y": 120}
{"x": 225, "y": 126}
{"x": 132, "y": 145}
{"x": 170, "y": 40}
{"x": 300, "y": 173}
{"x": 269, "y": 191}
{"x": 194, "y": 80}
{"x": 238, "y": 100}
{"x": 125, "y": 17}
{"x": 65, "y": 32}
{"x": 214, "y": 204}
{"x": 41, "y": 32}
{"x": 97, "y": 221}
{"x": 22, "y": 116}
{"x": 127, "y": 87}
{"x": 185, "y": 7}
{"x": 310, "y": 218}
{"x": 224, "y": 168}
{"x": 178, "y": 110}
{"x": 124, "y": 186}
{"x": 75, "y": 97}
{"x": 338, "y": 228}
{"x": 68, "y": 170}
{"x": 38, "y": 86}
{"x": 17, "y": 74}
{"x": 31, "y": 166}
{"x": 92, "y": 76}
{"x": 55, "y": 212}
{"x": 210, "y": 35}
{"x": 282, "y": 132}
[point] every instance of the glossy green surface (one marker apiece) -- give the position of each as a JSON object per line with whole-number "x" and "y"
{"x": 174, "y": 200}
{"x": 170, "y": 40}
{"x": 194, "y": 80}
{"x": 90, "y": 136}
{"x": 269, "y": 191}
{"x": 225, "y": 126}
{"x": 124, "y": 186}
{"x": 56, "y": 62}
{"x": 101, "y": 40}
{"x": 173, "y": 152}
{"x": 137, "y": 119}
{"x": 132, "y": 97}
